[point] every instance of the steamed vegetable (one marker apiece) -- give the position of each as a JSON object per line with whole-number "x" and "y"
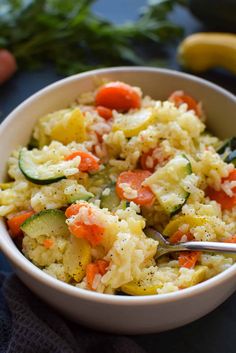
{"x": 119, "y": 96}
{"x": 88, "y": 162}
{"x": 104, "y": 112}
{"x": 137, "y": 288}
{"x": 38, "y": 173}
{"x": 70, "y": 128}
{"x": 93, "y": 269}
{"x": 48, "y": 223}
{"x": 188, "y": 259}
{"x": 166, "y": 185}
{"x": 190, "y": 220}
{"x": 90, "y": 230}
{"x": 179, "y": 97}
{"x": 15, "y": 221}
{"x": 110, "y": 199}
{"x": 76, "y": 258}
{"x": 226, "y": 200}
{"x": 130, "y": 187}
{"x": 133, "y": 123}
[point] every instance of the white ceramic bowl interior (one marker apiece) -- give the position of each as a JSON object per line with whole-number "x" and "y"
{"x": 121, "y": 314}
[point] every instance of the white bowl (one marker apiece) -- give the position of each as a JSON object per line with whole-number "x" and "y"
{"x": 120, "y": 314}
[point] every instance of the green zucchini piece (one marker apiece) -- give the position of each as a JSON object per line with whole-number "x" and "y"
{"x": 33, "y": 143}
{"x": 110, "y": 201}
{"x": 231, "y": 158}
{"x": 82, "y": 194}
{"x": 165, "y": 183}
{"x": 38, "y": 173}
{"x": 48, "y": 223}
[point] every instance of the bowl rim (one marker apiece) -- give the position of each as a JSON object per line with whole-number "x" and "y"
{"x": 21, "y": 262}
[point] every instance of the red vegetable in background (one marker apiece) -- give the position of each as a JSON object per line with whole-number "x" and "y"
{"x": 8, "y": 65}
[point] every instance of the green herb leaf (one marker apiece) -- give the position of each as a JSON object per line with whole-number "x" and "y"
{"x": 68, "y": 34}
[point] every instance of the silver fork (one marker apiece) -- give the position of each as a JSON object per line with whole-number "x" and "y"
{"x": 165, "y": 247}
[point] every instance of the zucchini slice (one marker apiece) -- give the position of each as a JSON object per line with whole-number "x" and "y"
{"x": 111, "y": 200}
{"x": 165, "y": 183}
{"x": 39, "y": 173}
{"x": 47, "y": 222}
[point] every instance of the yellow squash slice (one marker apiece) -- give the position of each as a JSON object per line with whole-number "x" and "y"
{"x": 133, "y": 123}
{"x": 70, "y": 128}
{"x": 76, "y": 258}
{"x": 192, "y": 221}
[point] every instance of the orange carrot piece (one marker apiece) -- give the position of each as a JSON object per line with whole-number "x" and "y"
{"x": 231, "y": 240}
{"x": 179, "y": 97}
{"x": 189, "y": 259}
{"x": 104, "y": 112}
{"x": 102, "y": 265}
{"x": 135, "y": 179}
{"x": 119, "y": 96}
{"x": 92, "y": 232}
{"x": 92, "y": 269}
{"x": 73, "y": 209}
{"x": 14, "y": 222}
{"x": 177, "y": 236}
{"x": 88, "y": 163}
{"x": 227, "y": 202}
{"x": 48, "y": 243}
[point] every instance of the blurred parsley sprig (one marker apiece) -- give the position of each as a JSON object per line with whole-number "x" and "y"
{"x": 69, "y": 34}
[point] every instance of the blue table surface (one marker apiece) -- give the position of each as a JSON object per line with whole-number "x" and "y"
{"x": 215, "y": 333}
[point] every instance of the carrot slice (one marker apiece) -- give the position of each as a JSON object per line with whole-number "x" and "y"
{"x": 149, "y": 160}
{"x": 92, "y": 232}
{"x": 177, "y": 236}
{"x": 134, "y": 180}
{"x": 88, "y": 163}
{"x": 48, "y": 243}
{"x": 227, "y": 202}
{"x": 92, "y": 269}
{"x": 73, "y": 209}
{"x": 102, "y": 265}
{"x": 119, "y": 96}
{"x": 189, "y": 259}
{"x": 104, "y": 112}
{"x": 179, "y": 97}
{"x": 15, "y": 221}
{"x": 231, "y": 240}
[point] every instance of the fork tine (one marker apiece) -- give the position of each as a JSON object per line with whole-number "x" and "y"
{"x": 154, "y": 234}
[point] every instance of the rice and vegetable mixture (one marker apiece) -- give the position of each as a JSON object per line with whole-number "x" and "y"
{"x": 94, "y": 175}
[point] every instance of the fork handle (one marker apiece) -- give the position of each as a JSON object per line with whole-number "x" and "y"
{"x": 208, "y": 246}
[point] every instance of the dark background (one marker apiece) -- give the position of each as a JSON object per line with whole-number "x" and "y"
{"x": 215, "y": 333}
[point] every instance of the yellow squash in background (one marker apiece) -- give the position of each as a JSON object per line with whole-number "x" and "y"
{"x": 203, "y": 51}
